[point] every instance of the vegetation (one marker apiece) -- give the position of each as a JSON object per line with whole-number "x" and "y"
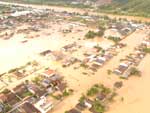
{"x": 123, "y": 7}
{"x": 128, "y": 7}
{"x": 57, "y": 97}
{"x": 114, "y": 39}
{"x": 37, "y": 80}
{"x": 26, "y": 94}
{"x": 100, "y": 33}
{"x": 98, "y": 89}
{"x": 84, "y": 65}
{"x": 93, "y": 91}
{"x": 98, "y": 107}
{"x": 65, "y": 3}
{"x": 7, "y": 107}
{"x": 98, "y": 48}
{"x": 111, "y": 97}
{"x": 146, "y": 50}
{"x": 67, "y": 92}
{"x": 109, "y": 72}
{"x": 5, "y": 91}
{"x": 135, "y": 71}
{"x": 90, "y": 34}
{"x": 82, "y": 98}
{"x": 118, "y": 84}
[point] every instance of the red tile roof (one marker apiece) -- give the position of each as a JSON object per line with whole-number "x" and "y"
{"x": 49, "y": 72}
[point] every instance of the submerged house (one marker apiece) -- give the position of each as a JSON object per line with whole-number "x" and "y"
{"x": 9, "y": 98}
{"x": 46, "y": 52}
{"x": 20, "y": 90}
{"x": 57, "y": 55}
{"x": 43, "y": 105}
{"x": 26, "y": 108}
{"x": 121, "y": 69}
{"x": 73, "y": 111}
{"x": 113, "y": 33}
{"x": 48, "y": 73}
{"x": 35, "y": 90}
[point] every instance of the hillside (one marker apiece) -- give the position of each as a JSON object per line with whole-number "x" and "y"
{"x": 123, "y": 7}
{"x": 76, "y": 3}
{"x": 128, "y": 7}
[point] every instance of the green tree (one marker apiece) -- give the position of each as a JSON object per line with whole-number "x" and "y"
{"x": 98, "y": 107}
{"x": 90, "y": 35}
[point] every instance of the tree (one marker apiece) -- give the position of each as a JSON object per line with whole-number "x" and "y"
{"x": 109, "y": 71}
{"x": 98, "y": 48}
{"x": 114, "y": 39}
{"x": 98, "y": 107}
{"x": 146, "y": 50}
{"x": 90, "y": 34}
{"x": 135, "y": 71}
{"x": 91, "y": 92}
{"x": 118, "y": 84}
{"x": 100, "y": 33}
{"x": 82, "y": 98}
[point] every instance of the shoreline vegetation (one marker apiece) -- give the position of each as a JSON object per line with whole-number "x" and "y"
{"x": 116, "y": 8}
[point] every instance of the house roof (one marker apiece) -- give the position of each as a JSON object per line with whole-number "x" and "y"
{"x": 46, "y": 82}
{"x": 18, "y": 74}
{"x": 29, "y": 108}
{"x": 12, "y": 99}
{"x": 74, "y": 111}
{"x": 55, "y": 77}
{"x": 39, "y": 92}
{"x": 62, "y": 86}
{"x": 80, "y": 106}
{"x": 88, "y": 101}
{"x": 58, "y": 55}
{"x": 20, "y": 89}
{"x": 49, "y": 72}
{"x": 3, "y": 98}
{"x": 69, "y": 45}
{"x": 45, "y": 52}
{"x": 101, "y": 96}
{"x": 122, "y": 68}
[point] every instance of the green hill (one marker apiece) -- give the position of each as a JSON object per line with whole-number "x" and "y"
{"x": 128, "y": 7}
{"x": 123, "y": 7}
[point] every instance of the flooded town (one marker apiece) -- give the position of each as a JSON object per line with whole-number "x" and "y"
{"x": 61, "y": 61}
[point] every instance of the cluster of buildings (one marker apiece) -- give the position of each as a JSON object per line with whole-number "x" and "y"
{"x": 88, "y": 102}
{"x": 132, "y": 60}
{"x": 15, "y": 16}
{"x": 121, "y": 29}
{"x": 96, "y": 60}
{"x": 33, "y": 96}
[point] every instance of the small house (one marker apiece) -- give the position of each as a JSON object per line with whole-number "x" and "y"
{"x": 28, "y": 108}
{"x": 35, "y": 90}
{"x": 112, "y": 33}
{"x": 73, "y": 111}
{"x": 48, "y": 73}
{"x": 43, "y": 105}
